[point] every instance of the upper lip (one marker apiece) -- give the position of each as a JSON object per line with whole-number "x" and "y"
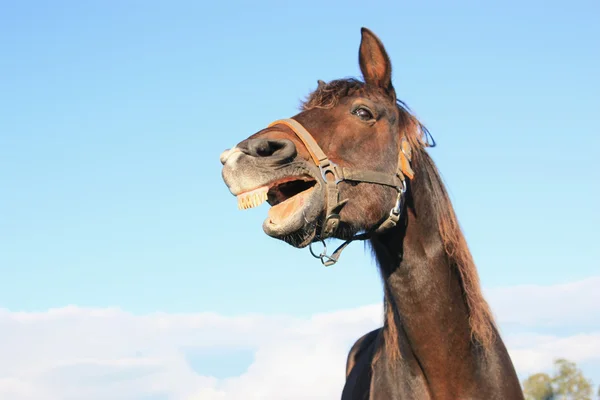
{"x": 228, "y": 153}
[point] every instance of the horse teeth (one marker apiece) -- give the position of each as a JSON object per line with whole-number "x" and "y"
{"x": 252, "y": 199}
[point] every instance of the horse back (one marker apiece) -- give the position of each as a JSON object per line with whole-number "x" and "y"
{"x": 358, "y": 367}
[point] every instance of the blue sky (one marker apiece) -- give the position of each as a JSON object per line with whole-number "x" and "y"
{"x": 113, "y": 116}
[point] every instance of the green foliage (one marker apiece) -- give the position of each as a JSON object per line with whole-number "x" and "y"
{"x": 538, "y": 387}
{"x": 570, "y": 382}
{"x": 567, "y": 383}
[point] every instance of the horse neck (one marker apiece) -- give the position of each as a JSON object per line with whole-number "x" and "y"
{"x": 437, "y": 323}
{"x": 427, "y": 318}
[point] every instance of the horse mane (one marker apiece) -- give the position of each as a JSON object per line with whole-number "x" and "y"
{"x": 459, "y": 257}
{"x": 431, "y": 189}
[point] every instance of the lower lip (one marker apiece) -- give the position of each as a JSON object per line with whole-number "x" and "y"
{"x": 289, "y": 207}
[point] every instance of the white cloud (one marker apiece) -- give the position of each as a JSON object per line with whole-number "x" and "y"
{"x": 574, "y": 303}
{"x": 75, "y": 353}
{"x": 533, "y": 353}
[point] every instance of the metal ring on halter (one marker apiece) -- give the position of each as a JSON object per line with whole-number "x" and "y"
{"x": 403, "y": 189}
{"x": 332, "y": 168}
{"x": 326, "y": 260}
{"x": 323, "y": 253}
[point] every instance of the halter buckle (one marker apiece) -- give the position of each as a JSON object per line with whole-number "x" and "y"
{"x": 330, "y": 225}
{"x": 326, "y": 166}
{"x": 398, "y": 206}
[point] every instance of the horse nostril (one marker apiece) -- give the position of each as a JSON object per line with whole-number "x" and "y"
{"x": 274, "y": 149}
{"x": 265, "y": 148}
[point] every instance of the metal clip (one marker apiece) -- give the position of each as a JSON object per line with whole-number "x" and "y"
{"x": 398, "y": 206}
{"x": 326, "y": 260}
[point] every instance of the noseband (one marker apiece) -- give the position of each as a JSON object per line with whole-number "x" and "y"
{"x": 332, "y": 175}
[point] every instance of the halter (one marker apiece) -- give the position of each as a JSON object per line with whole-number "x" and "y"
{"x": 332, "y": 175}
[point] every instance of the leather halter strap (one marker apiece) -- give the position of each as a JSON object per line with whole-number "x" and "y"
{"x": 332, "y": 174}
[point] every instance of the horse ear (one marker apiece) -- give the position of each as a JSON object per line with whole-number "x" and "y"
{"x": 375, "y": 64}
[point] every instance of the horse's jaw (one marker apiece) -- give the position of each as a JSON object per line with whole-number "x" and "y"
{"x": 295, "y": 220}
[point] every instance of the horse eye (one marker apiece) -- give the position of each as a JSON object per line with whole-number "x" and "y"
{"x": 363, "y": 114}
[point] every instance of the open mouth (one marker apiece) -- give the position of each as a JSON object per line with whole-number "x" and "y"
{"x": 284, "y": 195}
{"x": 285, "y": 189}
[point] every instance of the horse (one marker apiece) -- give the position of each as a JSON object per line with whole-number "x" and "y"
{"x": 353, "y": 165}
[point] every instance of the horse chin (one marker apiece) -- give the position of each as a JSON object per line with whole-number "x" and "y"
{"x": 295, "y": 221}
{"x": 299, "y": 238}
